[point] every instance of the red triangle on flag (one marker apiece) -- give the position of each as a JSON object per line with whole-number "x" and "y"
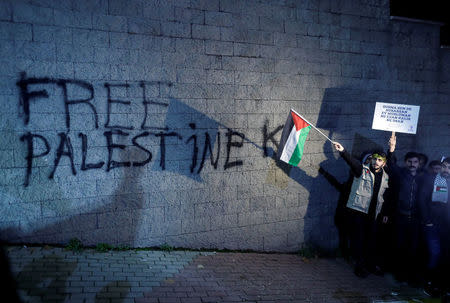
{"x": 298, "y": 122}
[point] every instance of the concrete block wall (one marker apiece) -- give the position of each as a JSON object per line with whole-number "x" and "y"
{"x": 145, "y": 123}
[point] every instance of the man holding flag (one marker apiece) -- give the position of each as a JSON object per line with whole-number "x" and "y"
{"x": 366, "y": 201}
{"x": 366, "y": 194}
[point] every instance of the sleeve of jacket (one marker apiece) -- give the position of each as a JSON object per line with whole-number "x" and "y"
{"x": 424, "y": 199}
{"x": 392, "y": 168}
{"x": 354, "y": 164}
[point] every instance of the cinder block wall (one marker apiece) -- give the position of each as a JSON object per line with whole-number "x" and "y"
{"x": 145, "y": 123}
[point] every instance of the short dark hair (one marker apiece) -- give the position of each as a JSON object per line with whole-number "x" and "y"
{"x": 446, "y": 160}
{"x": 434, "y": 163}
{"x": 411, "y": 154}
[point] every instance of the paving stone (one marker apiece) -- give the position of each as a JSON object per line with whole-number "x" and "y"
{"x": 193, "y": 277}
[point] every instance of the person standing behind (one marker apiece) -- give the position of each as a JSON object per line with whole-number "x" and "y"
{"x": 423, "y": 160}
{"x": 365, "y": 202}
{"x": 405, "y": 182}
{"x": 434, "y": 201}
{"x": 434, "y": 167}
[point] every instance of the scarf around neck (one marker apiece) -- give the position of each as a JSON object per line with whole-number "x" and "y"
{"x": 440, "y": 190}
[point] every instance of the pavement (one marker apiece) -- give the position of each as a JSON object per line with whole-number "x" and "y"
{"x": 54, "y": 274}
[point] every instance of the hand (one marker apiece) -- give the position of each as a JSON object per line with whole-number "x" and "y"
{"x": 392, "y": 142}
{"x": 338, "y": 146}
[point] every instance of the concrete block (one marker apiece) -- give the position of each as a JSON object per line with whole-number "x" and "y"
{"x": 251, "y": 218}
{"x": 318, "y": 30}
{"x": 247, "y": 50}
{"x": 329, "y": 18}
{"x": 285, "y": 40}
{"x": 275, "y": 243}
{"x": 253, "y": 36}
{"x": 337, "y": 32}
{"x": 93, "y": 38}
{"x": 232, "y": 6}
{"x": 110, "y": 23}
{"x": 119, "y": 56}
{"x": 144, "y": 26}
{"x": 271, "y": 24}
{"x": 119, "y": 40}
{"x": 189, "y": 15}
{"x": 207, "y": 5}
{"x": 6, "y": 9}
{"x": 235, "y": 238}
{"x": 176, "y": 29}
{"x": 352, "y": 21}
{"x": 74, "y": 53}
{"x": 32, "y": 14}
{"x": 295, "y": 27}
{"x": 7, "y": 49}
{"x": 133, "y": 8}
{"x": 220, "y": 77}
{"x": 161, "y": 10}
{"x": 218, "y": 48}
{"x": 308, "y": 15}
{"x": 207, "y": 32}
{"x": 96, "y": 6}
{"x": 195, "y": 225}
{"x": 16, "y": 31}
{"x": 247, "y": 78}
{"x": 51, "y": 34}
{"x": 191, "y": 76}
{"x": 215, "y": 18}
{"x": 210, "y": 239}
{"x": 36, "y": 51}
{"x": 92, "y": 71}
{"x": 188, "y": 46}
{"x": 206, "y": 210}
{"x": 73, "y": 19}
{"x": 246, "y": 22}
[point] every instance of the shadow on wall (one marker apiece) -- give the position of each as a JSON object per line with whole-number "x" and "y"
{"x": 192, "y": 137}
{"x": 345, "y": 113}
{"x": 186, "y": 140}
{"x": 114, "y": 223}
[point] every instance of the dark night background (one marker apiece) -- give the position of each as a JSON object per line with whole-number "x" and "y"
{"x": 432, "y": 10}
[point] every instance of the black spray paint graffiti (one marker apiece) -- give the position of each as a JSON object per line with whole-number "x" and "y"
{"x": 114, "y": 133}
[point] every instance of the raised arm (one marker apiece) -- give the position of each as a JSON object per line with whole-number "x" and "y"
{"x": 354, "y": 164}
{"x": 392, "y": 166}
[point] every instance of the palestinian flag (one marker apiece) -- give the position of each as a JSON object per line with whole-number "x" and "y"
{"x": 440, "y": 189}
{"x": 293, "y": 139}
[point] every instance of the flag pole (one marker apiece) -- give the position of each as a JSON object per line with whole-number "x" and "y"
{"x": 313, "y": 126}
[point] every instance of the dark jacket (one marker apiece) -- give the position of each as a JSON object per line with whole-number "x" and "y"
{"x": 405, "y": 187}
{"x": 436, "y": 213}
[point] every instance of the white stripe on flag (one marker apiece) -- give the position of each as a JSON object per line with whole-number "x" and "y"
{"x": 290, "y": 145}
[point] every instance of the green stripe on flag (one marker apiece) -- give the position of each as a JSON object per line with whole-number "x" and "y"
{"x": 298, "y": 152}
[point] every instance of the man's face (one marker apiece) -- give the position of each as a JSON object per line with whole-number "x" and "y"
{"x": 435, "y": 169}
{"x": 377, "y": 163}
{"x": 445, "y": 170}
{"x": 412, "y": 164}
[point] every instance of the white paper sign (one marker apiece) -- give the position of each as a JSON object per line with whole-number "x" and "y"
{"x": 400, "y": 118}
